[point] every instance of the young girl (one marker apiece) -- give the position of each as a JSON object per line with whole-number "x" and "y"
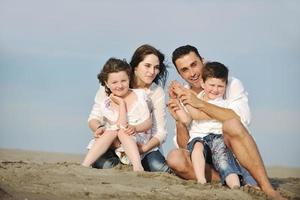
{"x": 121, "y": 107}
{"x": 206, "y": 135}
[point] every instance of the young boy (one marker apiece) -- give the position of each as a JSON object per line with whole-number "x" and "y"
{"x": 206, "y": 139}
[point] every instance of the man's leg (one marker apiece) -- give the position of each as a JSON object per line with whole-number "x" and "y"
{"x": 180, "y": 162}
{"x": 243, "y": 146}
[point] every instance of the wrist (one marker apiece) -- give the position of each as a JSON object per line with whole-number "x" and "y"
{"x": 100, "y": 126}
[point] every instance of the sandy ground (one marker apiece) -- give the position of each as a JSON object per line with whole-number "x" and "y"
{"x": 40, "y": 175}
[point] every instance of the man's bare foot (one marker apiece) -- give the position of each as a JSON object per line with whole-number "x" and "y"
{"x": 272, "y": 194}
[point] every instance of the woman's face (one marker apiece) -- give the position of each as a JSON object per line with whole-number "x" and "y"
{"x": 118, "y": 83}
{"x": 147, "y": 70}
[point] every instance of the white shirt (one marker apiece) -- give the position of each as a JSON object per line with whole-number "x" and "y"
{"x": 237, "y": 98}
{"x": 158, "y": 110}
{"x": 201, "y": 128}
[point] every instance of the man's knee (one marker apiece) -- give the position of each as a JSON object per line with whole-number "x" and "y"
{"x": 176, "y": 160}
{"x": 233, "y": 128}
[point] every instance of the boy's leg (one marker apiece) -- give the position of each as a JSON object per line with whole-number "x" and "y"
{"x": 198, "y": 161}
{"x": 131, "y": 150}
{"x": 223, "y": 161}
{"x": 99, "y": 147}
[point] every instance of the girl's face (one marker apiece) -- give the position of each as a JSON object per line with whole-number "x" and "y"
{"x": 118, "y": 83}
{"x": 214, "y": 88}
{"x": 147, "y": 70}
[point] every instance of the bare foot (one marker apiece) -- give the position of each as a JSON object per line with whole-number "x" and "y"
{"x": 275, "y": 195}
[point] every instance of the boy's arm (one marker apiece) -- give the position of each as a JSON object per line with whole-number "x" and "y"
{"x": 211, "y": 111}
{"x": 183, "y": 116}
{"x": 182, "y": 135}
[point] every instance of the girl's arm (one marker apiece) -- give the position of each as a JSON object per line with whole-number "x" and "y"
{"x": 122, "y": 118}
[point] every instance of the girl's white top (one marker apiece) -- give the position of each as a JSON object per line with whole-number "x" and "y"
{"x": 157, "y": 109}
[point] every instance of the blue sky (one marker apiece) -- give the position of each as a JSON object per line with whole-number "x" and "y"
{"x": 51, "y": 51}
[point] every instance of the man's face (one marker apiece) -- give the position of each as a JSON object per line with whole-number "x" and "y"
{"x": 190, "y": 68}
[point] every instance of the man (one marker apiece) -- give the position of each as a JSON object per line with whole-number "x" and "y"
{"x": 189, "y": 64}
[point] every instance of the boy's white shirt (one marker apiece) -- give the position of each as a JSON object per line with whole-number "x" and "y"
{"x": 236, "y": 99}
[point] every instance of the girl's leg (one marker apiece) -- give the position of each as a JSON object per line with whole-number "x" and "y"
{"x": 99, "y": 147}
{"x": 199, "y": 162}
{"x": 131, "y": 150}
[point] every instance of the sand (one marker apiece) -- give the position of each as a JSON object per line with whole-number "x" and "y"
{"x": 41, "y": 175}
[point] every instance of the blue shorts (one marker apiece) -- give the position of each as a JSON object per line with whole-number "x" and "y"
{"x": 222, "y": 159}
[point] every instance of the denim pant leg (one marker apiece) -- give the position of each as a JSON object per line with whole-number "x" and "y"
{"x": 247, "y": 179}
{"x": 155, "y": 162}
{"x": 108, "y": 160}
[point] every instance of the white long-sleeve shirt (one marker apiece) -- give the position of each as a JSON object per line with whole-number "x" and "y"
{"x": 158, "y": 110}
{"x": 237, "y": 99}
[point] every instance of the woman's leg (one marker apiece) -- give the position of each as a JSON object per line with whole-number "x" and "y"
{"x": 99, "y": 147}
{"x": 131, "y": 150}
{"x": 155, "y": 162}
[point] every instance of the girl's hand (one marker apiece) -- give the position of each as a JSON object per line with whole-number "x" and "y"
{"x": 117, "y": 100}
{"x": 130, "y": 130}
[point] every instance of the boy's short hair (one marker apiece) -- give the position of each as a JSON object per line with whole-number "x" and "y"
{"x": 215, "y": 70}
{"x": 182, "y": 51}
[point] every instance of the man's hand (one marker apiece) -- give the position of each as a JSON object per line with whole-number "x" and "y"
{"x": 190, "y": 97}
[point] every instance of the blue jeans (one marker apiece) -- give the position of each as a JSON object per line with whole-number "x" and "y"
{"x": 223, "y": 160}
{"x": 152, "y": 162}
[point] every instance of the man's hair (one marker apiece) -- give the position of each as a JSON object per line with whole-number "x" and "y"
{"x": 215, "y": 70}
{"x": 182, "y": 51}
{"x": 112, "y": 65}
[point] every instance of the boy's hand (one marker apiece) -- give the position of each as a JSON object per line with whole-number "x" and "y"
{"x": 190, "y": 97}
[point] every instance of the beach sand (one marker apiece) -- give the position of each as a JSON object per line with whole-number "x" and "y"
{"x": 41, "y": 175}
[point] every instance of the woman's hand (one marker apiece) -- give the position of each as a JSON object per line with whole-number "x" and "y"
{"x": 141, "y": 148}
{"x": 99, "y": 131}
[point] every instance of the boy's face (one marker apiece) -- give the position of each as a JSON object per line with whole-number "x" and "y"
{"x": 214, "y": 88}
{"x": 190, "y": 68}
{"x": 118, "y": 83}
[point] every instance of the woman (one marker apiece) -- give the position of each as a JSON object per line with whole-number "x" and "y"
{"x": 148, "y": 72}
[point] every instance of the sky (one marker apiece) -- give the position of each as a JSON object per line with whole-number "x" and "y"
{"x": 51, "y": 52}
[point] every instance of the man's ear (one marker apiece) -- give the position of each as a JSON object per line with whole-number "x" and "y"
{"x": 202, "y": 83}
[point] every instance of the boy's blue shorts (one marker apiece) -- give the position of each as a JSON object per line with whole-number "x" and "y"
{"x": 217, "y": 154}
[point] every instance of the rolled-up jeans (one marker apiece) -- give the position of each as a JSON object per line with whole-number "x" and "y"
{"x": 153, "y": 161}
